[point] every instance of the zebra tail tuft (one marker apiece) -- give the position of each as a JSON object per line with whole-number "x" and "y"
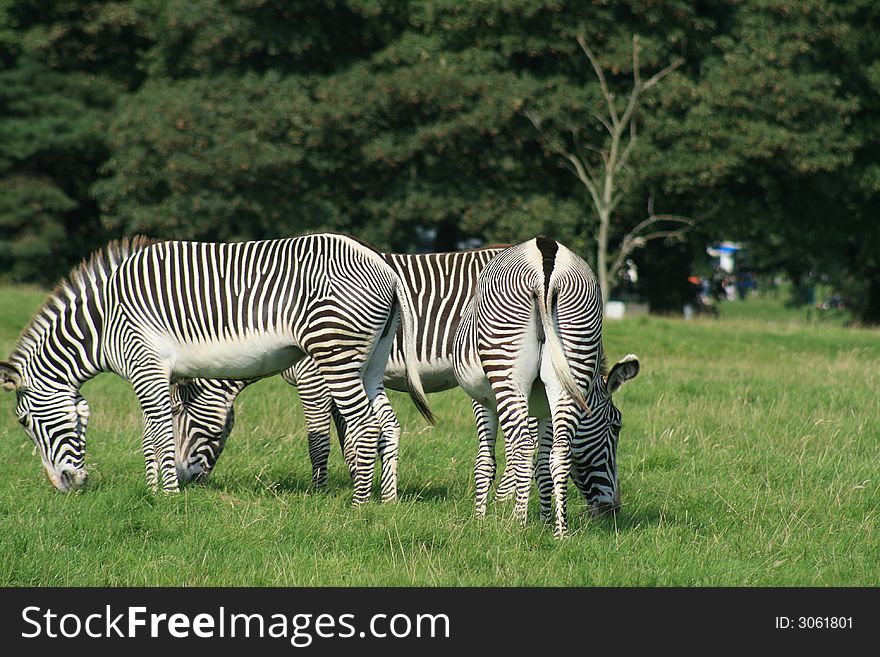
{"x": 410, "y": 356}
{"x": 557, "y": 350}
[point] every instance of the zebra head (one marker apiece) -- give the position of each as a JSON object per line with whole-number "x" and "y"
{"x": 594, "y": 450}
{"x": 204, "y": 416}
{"x": 56, "y": 421}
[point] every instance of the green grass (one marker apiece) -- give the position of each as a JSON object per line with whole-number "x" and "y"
{"x": 772, "y": 310}
{"x": 749, "y": 456}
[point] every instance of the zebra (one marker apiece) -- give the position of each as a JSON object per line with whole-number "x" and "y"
{"x": 155, "y": 311}
{"x": 438, "y": 285}
{"x": 204, "y": 415}
{"x": 530, "y": 344}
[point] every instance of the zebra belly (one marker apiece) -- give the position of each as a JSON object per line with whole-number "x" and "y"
{"x": 473, "y": 381}
{"x": 436, "y": 376}
{"x": 243, "y": 358}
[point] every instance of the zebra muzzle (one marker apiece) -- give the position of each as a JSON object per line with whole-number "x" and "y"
{"x": 68, "y": 479}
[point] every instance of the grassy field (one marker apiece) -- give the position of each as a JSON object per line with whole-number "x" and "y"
{"x": 750, "y": 455}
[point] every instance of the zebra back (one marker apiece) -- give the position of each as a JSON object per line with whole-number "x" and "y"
{"x": 439, "y": 286}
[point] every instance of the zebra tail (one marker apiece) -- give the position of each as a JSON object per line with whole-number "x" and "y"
{"x": 410, "y": 356}
{"x": 557, "y": 351}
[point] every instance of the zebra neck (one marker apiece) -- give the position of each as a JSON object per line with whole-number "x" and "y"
{"x": 63, "y": 346}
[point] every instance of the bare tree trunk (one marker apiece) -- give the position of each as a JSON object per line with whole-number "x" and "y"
{"x": 601, "y": 181}
{"x": 602, "y": 254}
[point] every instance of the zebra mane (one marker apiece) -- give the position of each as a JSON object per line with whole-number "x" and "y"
{"x": 358, "y": 240}
{"x": 92, "y": 271}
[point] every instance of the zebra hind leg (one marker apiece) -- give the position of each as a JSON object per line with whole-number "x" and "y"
{"x": 513, "y": 415}
{"x": 362, "y": 426}
{"x": 507, "y": 485}
{"x": 484, "y": 468}
{"x": 389, "y": 445}
{"x": 316, "y": 403}
{"x": 560, "y": 469}
{"x": 364, "y": 433}
{"x": 543, "y": 480}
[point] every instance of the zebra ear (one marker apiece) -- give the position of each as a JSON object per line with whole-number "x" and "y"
{"x": 625, "y": 369}
{"x": 10, "y": 379}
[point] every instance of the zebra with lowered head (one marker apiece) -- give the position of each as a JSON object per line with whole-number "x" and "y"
{"x": 155, "y": 312}
{"x": 530, "y": 344}
{"x": 439, "y": 286}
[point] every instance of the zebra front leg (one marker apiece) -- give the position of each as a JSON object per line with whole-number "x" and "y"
{"x": 152, "y": 387}
{"x": 543, "y": 479}
{"x": 389, "y": 445}
{"x": 484, "y": 468}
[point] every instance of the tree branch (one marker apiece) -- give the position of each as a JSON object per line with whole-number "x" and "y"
{"x": 635, "y": 239}
{"x": 654, "y": 79}
{"x": 601, "y": 119}
{"x": 615, "y": 151}
{"x": 603, "y": 84}
{"x": 574, "y": 164}
{"x": 581, "y": 147}
{"x": 630, "y": 145}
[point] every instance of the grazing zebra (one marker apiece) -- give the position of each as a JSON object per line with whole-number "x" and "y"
{"x": 439, "y": 286}
{"x": 153, "y": 312}
{"x": 204, "y": 415}
{"x": 530, "y": 344}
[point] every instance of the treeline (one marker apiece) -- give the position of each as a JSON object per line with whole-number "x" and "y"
{"x": 401, "y": 122}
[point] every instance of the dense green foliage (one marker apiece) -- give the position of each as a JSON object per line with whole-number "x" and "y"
{"x": 748, "y": 456}
{"x": 401, "y": 122}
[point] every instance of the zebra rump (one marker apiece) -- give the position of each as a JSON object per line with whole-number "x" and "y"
{"x": 530, "y": 346}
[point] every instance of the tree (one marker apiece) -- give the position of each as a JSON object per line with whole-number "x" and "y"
{"x": 62, "y": 67}
{"x": 402, "y": 122}
{"x": 51, "y": 133}
{"x": 766, "y": 128}
{"x": 603, "y": 169}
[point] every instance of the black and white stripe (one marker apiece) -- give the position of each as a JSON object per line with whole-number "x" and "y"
{"x": 530, "y": 345}
{"x": 439, "y": 286}
{"x": 153, "y": 313}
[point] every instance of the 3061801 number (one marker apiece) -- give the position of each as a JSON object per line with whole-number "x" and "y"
{"x": 824, "y": 622}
